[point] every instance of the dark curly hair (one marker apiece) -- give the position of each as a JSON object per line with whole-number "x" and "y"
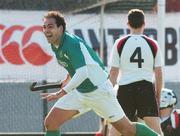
{"x": 58, "y": 17}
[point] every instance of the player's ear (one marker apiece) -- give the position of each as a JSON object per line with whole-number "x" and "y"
{"x": 143, "y": 25}
{"x": 60, "y": 28}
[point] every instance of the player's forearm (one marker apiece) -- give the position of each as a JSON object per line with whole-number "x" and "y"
{"x": 80, "y": 75}
{"x": 158, "y": 81}
{"x": 113, "y": 75}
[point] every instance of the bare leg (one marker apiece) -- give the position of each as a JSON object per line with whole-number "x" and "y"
{"x": 154, "y": 123}
{"x": 57, "y": 117}
{"x": 126, "y": 127}
{"x": 113, "y": 132}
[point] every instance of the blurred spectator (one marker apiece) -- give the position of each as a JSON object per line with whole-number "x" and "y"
{"x": 170, "y": 117}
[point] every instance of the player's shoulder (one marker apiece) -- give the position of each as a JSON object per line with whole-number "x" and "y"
{"x": 123, "y": 37}
{"x": 121, "y": 40}
{"x": 72, "y": 40}
{"x": 175, "y": 114}
{"x": 149, "y": 39}
{"x": 69, "y": 37}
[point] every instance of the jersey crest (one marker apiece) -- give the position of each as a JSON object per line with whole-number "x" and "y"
{"x": 62, "y": 63}
{"x": 66, "y": 56}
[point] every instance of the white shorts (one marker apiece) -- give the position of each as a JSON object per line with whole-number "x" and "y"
{"x": 102, "y": 101}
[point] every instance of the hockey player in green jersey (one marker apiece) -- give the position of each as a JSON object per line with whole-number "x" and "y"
{"x": 88, "y": 88}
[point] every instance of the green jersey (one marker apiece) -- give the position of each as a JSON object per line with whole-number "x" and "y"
{"x": 73, "y": 53}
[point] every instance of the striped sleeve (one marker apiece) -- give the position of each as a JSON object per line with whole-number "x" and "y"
{"x": 114, "y": 60}
{"x": 156, "y": 51}
{"x": 158, "y": 59}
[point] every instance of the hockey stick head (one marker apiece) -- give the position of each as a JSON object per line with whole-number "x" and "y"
{"x": 35, "y": 87}
{"x": 32, "y": 87}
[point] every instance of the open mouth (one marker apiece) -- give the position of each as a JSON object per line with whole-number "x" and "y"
{"x": 48, "y": 36}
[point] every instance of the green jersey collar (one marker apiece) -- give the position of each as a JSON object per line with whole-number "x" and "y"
{"x": 61, "y": 42}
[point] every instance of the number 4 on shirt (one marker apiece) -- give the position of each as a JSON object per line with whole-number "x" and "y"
{"x": 137, "y": 59}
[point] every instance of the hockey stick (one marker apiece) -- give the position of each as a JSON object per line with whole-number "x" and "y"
{"x": 35, "y": 87}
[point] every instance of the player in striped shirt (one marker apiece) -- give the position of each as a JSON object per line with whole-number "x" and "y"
{"x": 135, "y": 58}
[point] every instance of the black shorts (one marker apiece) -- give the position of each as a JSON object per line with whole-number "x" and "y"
{"x": 138, "y": 100}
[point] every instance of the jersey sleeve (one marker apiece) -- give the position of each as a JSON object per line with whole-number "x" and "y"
{"x": 158, "y": 58}
{"x": 114, "y": 60}
{"x": 80, "y": 75}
